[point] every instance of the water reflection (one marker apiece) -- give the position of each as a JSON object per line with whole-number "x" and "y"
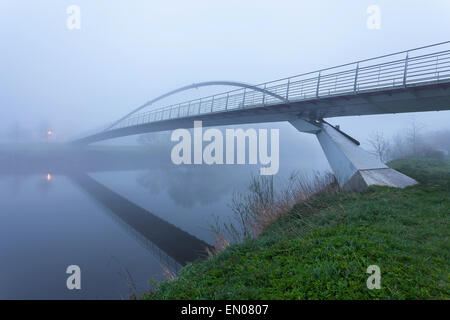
{"x": 173, "y": 246}
{"x": 166, "y": 209}
{"x": 170, "y": 245}
{"x": 44, "y": 183}
{"x": 195, "y": 185}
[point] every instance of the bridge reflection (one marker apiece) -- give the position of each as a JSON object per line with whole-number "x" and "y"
{"x": 172, "y": 246}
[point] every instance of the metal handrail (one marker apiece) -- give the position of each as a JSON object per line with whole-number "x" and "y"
{"x": 354, "y": 77}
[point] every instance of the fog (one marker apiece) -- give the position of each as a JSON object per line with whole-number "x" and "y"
{"x": 128, "y": 52}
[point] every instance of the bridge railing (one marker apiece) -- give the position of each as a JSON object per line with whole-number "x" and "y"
{"x": 430, "y": 64}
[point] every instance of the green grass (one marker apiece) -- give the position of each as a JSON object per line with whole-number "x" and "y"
{"x": 322, "y": 248}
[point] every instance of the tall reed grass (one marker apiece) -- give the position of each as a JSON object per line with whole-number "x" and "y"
{"x": 264, "y": 202}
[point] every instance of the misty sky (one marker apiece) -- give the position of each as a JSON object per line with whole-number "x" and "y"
{"x": 128, "y": 52}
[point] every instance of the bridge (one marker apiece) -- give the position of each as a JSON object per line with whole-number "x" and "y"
{"x": 409, "y": 81}
{"x": 150, "y": 230}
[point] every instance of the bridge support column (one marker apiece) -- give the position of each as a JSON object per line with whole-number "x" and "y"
{"x": 355, "y": 169}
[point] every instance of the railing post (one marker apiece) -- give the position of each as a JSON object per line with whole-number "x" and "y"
{"x": 356, "y": 78}
{"x": 436, "y": 71}
{"x": 301, "y": 88}
{"x": 318, "y": 85}
{"x": 379, "y": 74}
{"x": 287, "y": 89}
{"x": 405, "y": 72}
{"x": 179, "y": 107}
{"x": 226, "y": 102}
{"x": 212, "y": 103}
{"x": 264, "y": 95}
{"x": 243, "y": 99}
{"x": 199, "y": 106}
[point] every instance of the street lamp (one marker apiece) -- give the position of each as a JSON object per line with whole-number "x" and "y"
{"x": 49, "y": 133}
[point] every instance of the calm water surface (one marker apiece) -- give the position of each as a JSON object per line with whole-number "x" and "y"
{"x": 50, "y": 221}
{"x": 122, "y": 227}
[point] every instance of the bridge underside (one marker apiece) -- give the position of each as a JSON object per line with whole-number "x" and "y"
{"x": 354, "y": 168}
{"x": 431, "y": 97}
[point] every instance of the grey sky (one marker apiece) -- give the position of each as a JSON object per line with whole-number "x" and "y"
{"x": 128, "y": 52}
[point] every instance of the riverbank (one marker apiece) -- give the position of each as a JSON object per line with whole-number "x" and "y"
{"x": 322, "y": 248}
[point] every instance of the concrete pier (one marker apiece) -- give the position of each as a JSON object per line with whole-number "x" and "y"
{"x": 355, "y": 168}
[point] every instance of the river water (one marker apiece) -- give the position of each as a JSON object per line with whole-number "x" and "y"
{"x": 122, "y": 223}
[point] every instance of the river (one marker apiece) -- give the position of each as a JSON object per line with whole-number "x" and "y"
{"x": 123, "y": 217}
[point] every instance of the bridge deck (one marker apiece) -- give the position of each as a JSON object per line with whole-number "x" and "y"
{"x": 410, "y": 81}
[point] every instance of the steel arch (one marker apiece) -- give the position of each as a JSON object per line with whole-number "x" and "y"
{"x": 196, "y": 86}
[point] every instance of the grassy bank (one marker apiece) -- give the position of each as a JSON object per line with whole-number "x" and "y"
{"x": 322, "y": 248}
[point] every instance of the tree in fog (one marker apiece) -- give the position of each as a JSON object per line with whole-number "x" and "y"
{"x": 380, "y": 146}
{"x": 17, "y": 133}
{"x": 440, "y": 140}
{"x": 414, "y": 137}
{"x": 399, "y": 147}
{"x": 414, "y": 141}
{"x": 43, "y": 130}
{"x": 154, "y": 138}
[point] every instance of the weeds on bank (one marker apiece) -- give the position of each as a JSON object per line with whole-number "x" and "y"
{"x": 322, "y": 247}
{"x": 262, "y": 205}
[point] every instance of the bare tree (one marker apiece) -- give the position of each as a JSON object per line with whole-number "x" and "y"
{"x": 380, "y": 146}
{"x": 440, "y": 140}
{"x": 17, "y": 133}
{"x": 414, "y": 136}
{"x": 399, "y": 148}
{"x": 414, "y": 142}
{"x": 43, "y": 130}
{"x": 14, "y": 132}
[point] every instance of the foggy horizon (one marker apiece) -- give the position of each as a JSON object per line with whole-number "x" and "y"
{"x": 73, "y": 81}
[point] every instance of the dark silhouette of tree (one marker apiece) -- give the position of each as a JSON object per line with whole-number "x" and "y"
{"x": 17, "y": 133}
{"x": 380, "y": 146}
{"x": 42, "y": 131}
{"x": 414, "y": 136}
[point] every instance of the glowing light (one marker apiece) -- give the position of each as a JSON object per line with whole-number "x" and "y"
{"x": 49, "y": 132}
{"x": 49, "y": 177}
